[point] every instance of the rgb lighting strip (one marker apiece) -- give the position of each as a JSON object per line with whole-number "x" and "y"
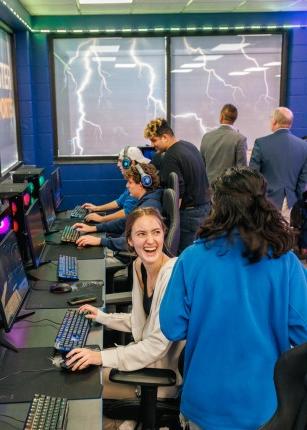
{"x": 158, "y": 29}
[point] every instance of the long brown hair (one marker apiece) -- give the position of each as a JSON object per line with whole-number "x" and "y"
{"x": 239, "y": 202}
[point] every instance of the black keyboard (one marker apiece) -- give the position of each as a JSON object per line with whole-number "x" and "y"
{"x": 70, "y": 234}
{"x": 73, "y": 331}
{"x": 47, "y": 412}
{"x": 78, "y": 212}
{"x": 67, "y": 268}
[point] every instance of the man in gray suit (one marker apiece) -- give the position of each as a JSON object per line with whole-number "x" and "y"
{"x": 282, "y": 159}
{"x": 223, "y": 147}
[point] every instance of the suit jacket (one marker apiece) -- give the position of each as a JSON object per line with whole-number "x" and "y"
{"x": 222, "y": 148}
{"x": 282, "y": 159}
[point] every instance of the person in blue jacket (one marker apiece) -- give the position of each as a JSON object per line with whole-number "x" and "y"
{"x": 147, "y": 195}
{"x": 238, "y": 296}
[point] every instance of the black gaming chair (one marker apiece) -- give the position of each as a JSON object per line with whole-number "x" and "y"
{"x": 170, "y": 211}
{"x": 173, "y": 183}
{"x": 290, "y": 379}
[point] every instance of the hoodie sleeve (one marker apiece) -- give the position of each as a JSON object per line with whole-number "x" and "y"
{"x": 117, "y": 226}
{"x": 115, "y": 243}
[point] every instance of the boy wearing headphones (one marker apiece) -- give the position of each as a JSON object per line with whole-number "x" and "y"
{"x": 129, "y": 156}
{"x": 143, "y": 184}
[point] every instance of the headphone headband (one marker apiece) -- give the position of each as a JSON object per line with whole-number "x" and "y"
{"x": 126, "y": 162}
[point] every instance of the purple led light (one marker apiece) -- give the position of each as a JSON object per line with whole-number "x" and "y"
{"x": 5, "y": 225}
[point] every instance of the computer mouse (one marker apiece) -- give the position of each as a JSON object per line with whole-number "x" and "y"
{"x": 60, "y": 288}
{"x": 65, "y": 367}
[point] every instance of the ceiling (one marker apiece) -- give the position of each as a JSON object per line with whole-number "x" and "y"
{"x": 73, "y": 7}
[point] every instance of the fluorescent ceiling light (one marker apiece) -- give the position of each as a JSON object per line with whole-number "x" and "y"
{"x": 125, "y": 65}
{"x": 192, "y": 65}
{"x": 255, "y": 69}
{"x": 229, "y": 46}
{"x": 104, "y": 1}
{"x": 273, "y": 63}
{"x": 181, "y": 71}
{"x": 106, "y": 48}
{"x": 103, "y": 59}
{"x": 206, "y": 57}
{"x": 238, "y": 73}
{"x": 277, "y": 76}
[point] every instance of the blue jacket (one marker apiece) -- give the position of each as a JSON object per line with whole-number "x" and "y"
{"x": 282, "y": 159}
{"x": 127, "y": 202}
{"x": 237, "y": 318}
{"x": 150, "y": 199}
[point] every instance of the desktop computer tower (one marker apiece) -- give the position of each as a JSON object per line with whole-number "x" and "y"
{"x": 18, "y": 199}
{"x": 32, "y": 175}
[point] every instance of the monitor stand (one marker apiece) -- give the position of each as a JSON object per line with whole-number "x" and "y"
{"x": 5, "y": 343}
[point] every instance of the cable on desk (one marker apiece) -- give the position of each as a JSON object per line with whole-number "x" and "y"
{"x": 43, "y": 319}
{"x": 41, "y": 325}
{"x": 12, "y": 418}
{"x": 28, "y": 371}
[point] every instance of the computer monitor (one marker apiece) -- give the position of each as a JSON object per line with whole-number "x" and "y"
{"x": 45, "y": 199}
{"x": 35, "y": 231}
{"x": 13, "y": 283}
{"x": 56, "y": 188}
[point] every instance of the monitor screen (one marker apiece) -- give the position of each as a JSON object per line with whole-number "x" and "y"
{"x": 13, "y": 281}
{"x": 35, "y": 230}
{"x": 45, "y": 198}
{"x": 56, "y": 187}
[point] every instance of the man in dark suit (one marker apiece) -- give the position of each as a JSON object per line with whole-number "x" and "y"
{"x": 223, "y": 147}
{"x": 282, "y": 159}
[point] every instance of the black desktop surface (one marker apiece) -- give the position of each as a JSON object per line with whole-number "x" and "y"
{"x": 31, "y": 371}
{"x": 40, "y": 296}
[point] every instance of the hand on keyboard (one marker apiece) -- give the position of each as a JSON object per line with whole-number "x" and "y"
{"x": 90, "y": 207}
{"x": 88, "y": 241}
{"x": 81, "y": 358}
{"x": 84, "y": 228}
{"x": 90, "y": 311}
{"x": 94, "y": 217}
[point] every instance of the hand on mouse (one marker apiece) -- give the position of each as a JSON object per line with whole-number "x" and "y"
{"x": 81, "y": 358}
{"x": 88, "y": 240}
{"x": 90, "y": 311}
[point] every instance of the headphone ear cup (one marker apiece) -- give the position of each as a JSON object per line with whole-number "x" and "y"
{"x": 126, "y": 163}
{"x": 146, "y": 180}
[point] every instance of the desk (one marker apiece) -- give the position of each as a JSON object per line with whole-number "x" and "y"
{"x": 83, "y": 414}
{"x": 89, "y": 270}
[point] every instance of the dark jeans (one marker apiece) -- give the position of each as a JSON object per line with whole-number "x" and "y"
{"x": 190, "y": 221}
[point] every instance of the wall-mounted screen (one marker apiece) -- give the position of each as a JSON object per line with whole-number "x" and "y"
{"x": 8, "y": 135}
{"x": 107, "y": 89}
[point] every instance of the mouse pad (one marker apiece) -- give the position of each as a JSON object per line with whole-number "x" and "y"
{"x": 41, "y": 298}
{"x": 31, "y": 371}
{"x": 52, "y": 251}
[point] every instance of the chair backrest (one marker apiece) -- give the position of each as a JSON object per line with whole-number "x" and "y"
{"x": 289, "y": 379}
{"x": 173, "y": 183}
{"x": 170, "y": 211}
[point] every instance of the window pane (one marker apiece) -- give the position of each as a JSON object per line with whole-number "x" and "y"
{"x": 107, "y": 89}
{"x": 8, "y": 135}
{"x": 210, "y": 71}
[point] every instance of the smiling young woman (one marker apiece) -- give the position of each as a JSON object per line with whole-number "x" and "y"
{"x": 145, "y": 233}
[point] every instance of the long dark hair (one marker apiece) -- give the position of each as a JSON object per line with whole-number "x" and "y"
{"x": 239, "y": 202}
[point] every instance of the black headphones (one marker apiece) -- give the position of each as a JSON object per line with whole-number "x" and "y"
{"x": 126, "y": 161}
{"x": 146, "y": 179}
